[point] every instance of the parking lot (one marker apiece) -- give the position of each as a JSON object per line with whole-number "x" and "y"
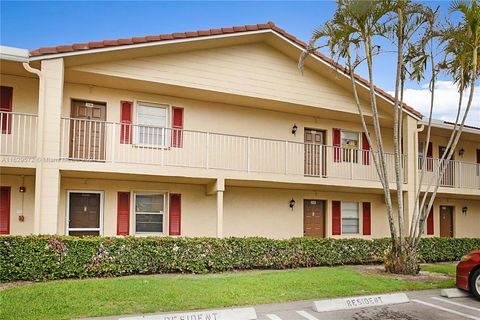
{"x": 423, "y": 305}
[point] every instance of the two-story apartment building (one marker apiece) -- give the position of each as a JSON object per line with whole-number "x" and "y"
{"x": 208, "y": 133}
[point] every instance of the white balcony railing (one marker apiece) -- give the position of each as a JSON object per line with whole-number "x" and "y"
{"x": 100, "y": 141}
{"x": 458, "y": 174}
{"x": 18, "y": 134}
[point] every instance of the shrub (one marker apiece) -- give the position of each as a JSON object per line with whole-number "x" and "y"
{"x": 57, "y": 257}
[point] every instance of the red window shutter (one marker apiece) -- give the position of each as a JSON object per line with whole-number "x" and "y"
{"x": 6, "y": 96}
{"x": 123, "y": 213}
{"x": 430, "y": 222}
{"x": 478, "y": 162}
{"x": 175, "y": 214}
{"x": 337, "y": 151}
{"x": 429, "y": 157}
{"x": 177, "y": 127}
{"x": 4, "y": 210}
{"x": 126, "y": 120}
{"x": 336, "y": 218}
{"x": 367, "y": 218}
{"x": 366, "y": 150}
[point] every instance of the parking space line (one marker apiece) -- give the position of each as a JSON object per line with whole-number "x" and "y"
{"x": 306, "y": 315}
{"x": 273, "y": 317}
{"x": 455, "y": 303}
{"x": 446, "y": 309}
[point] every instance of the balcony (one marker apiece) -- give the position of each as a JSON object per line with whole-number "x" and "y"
{"x": 457, "y": 174}
{"x": 18, "y": 132}
{"x": 109, "y": 142}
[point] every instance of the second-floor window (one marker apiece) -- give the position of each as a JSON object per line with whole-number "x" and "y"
{"x": 350, "y": 146}
{"x": 151, "y": 124}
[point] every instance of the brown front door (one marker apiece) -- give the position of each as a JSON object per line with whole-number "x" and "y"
{"x": 446, "y": 221}
{"x": 314, "y": 218}
{"x": 87, "y": 131}
{"x": 84, "y": 214}
{"x": 448, "y": 178}
{"x": 314, "y": 153}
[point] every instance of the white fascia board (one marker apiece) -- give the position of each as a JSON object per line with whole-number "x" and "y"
{"x": 442, "y": 125}
{"x": 13, "y": 54}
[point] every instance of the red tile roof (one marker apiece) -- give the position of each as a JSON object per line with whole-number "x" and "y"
{"x": 205, "y": 33}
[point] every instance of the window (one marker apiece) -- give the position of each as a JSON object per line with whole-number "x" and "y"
{"x": 151, "y": 124}
{"x": 149, "y": 212}
{"x": 421, "y": 147}
{"x": 350, "y": 218}
{"x": 350, "y": 146}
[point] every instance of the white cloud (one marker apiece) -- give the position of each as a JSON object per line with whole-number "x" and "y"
{"x": 446, "y": 102}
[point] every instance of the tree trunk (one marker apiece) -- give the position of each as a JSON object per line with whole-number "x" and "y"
{"x": 402, "y": 259}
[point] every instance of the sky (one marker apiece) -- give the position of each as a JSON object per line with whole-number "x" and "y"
{"x": 36, "y": 24}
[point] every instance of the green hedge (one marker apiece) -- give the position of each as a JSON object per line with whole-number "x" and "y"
{"x": 47, "y": 257}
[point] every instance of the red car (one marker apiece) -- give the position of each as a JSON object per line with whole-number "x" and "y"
{"x": 468, "y": 273}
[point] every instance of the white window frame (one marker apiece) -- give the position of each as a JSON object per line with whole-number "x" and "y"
{"x": 166, "y": 132}
{"x": 67, "y": 209}
{"x": 358, "y": 217}
{"x": 164, "y": 213}
{"x": 355, "y": 154}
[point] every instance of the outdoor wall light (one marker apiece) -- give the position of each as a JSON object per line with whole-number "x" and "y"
{"x": 294, "y": 129}
{"x": 461, "y": 152}
{"x": 465, "y": 210}
{"x": 292, "y": 203}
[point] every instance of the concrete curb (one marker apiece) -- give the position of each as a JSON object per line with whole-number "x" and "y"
{"x": 222, "y": 314}
{"x": 359, "y": 302}
{"x": 453, "y": 293}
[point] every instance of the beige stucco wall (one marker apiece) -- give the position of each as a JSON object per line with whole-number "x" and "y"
{"x": 20, "y": 203}
{"x": 25, "y": 92}
{"x": 216, "y": 117}
{"x": 247, "y": 211}
{"x": 464, "y": 225}
{"x": 198, "y": 209}
{"x": 470, "y": 147}
{"x": 266, "y": 212}
{"x": 253, "y": 70}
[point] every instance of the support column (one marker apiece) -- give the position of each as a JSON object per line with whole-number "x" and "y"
{"x": 219, "y": 214}
{"x": 218, "y": 187}
{"x": 47, "y": 177}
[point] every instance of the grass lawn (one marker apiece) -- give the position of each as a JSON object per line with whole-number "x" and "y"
{"x": 445, "y": 268}
{"x": 137, "y": 294}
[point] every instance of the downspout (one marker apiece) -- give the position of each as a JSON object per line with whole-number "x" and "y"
{"x": 39, "y": 151}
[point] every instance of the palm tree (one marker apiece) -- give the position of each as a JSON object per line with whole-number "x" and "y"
{"x": 351, "y": 35}
{"x": 461, "y": 62}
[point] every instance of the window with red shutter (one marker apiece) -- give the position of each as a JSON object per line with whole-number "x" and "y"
{"x": 126, "y": 109}
{"x": 337, "y": 151}
{"x": 4, "y": 210}
{"x": 177, "y": 127}
{"x": 6, "y": 96}
{"x": 123, "y": 213}
{"x": 365, "y": 150}
{"x": 175, "y": 214}
{"x": 336, "y": 218}
{"x": 430, "y": 222}
{"x": 367, "y": 218}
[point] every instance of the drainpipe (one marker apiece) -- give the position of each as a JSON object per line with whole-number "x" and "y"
{"x": 39, "y": 151}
